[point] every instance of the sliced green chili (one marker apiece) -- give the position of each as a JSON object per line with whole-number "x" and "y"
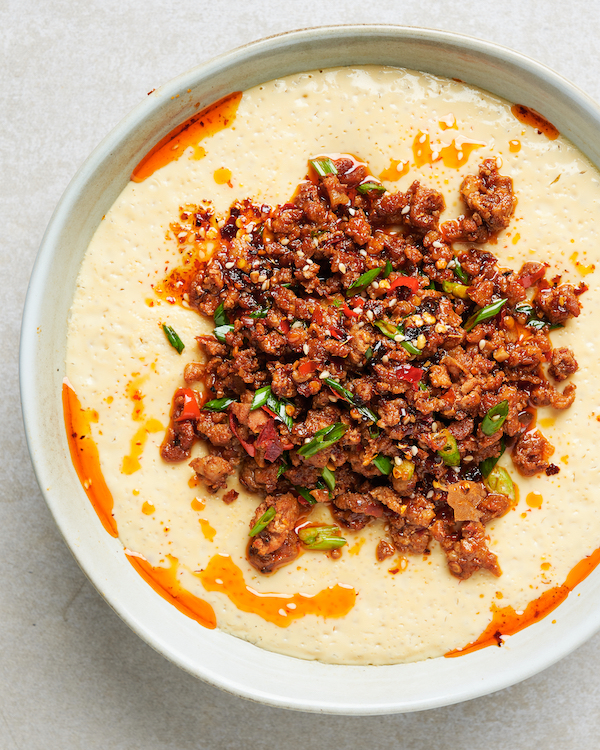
{"x": 369, "y": 354}
{"x": 383, "y": 463}
{"x": 489, "y": 311}
{"x": 371, "y": 187}
{"x": 263, "y": 521}
{"x": 495, "y": 418}
{"x": 303, "y": 492}
{"x": 321, "y": 537}
{"x": 328, "y": 478}
{"x": 449, "y": 453}
{"x": 323, "y": 166}
{"x": 386, "y": 327}
{"x": 363, "y": 282}
{"x": 452, "y": 287}
{"x": 486, "y": 466}
{"x": 410, "y": 348}
{"x": 363, "y": 410}
{"x": 459, "y": 272}
{"x": 498, "y": 480}
{"x": 218, "y": 404}
{"x": 323, "y": 439}
{"x": 387, "y": 269}
{"x": 173, "y": 338}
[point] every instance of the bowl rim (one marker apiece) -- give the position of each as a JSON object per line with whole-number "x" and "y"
{"x": 30, "y": 362}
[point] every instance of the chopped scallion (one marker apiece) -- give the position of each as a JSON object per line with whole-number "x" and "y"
{"x": 220, "y": 316}
{"x": 347, "y": 396}
{"x": 323, "y": 166}
{"x": 486, "y": 466}
{"x": 321, "y": 537}
{"x": 328, "y": 478}
{"x": 383, "y": 463}
{"x": 449, "y": 452}
{"x": 388, "y": 269}
{"x": 261, "y": 396}
{"x": 323, "y": 439}
{"x": 371, "y": 187}
{"x": 218, "y": 404}
{"x": 263, "y": 521}
{"x": 221, "y": 331}
{"x": 363, "y": 281}
{"x": 259, "y": 313}
{"x": 495, "y": 418}
{"x": 173, "y": 338}
{"x": 459, "y": 272}
{"x": 489, "y": 311}
{"x": 303, "y": 492}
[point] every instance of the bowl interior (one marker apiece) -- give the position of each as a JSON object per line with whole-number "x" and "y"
{"x": 225, "y": 661}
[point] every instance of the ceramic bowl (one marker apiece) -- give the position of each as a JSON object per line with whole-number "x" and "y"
{"x": 223, "y": 660}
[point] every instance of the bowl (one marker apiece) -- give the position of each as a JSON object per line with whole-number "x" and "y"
{"x": 220, "y": 659}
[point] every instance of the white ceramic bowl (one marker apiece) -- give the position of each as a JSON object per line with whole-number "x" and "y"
{"x": 227, "y": 662}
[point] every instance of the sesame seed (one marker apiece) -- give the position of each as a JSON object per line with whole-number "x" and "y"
{"x": 325, "y": 374}
{"x": 397, "y": 460}
{"x": 440, "y": 328}
{"x": 434, "y": 426}
{"x": 467, "y": 459}
{"x": 305, "y": 349}
{"x": 300, "y": 253}
{"x": 451, "y": 264}
{"x": 307, "y": 440}
{"x": 405, "y": 210}
{"x": 370, "y": 315}
{"x": 266, "y": 284}
{"x": 385, "y": 359}
{"x": 375, "y": 285}
{"x": 423, "y": 138}
{"x": 230, "y": 264}
{"x": 306, "y": 267}
{"x": 363, "y": 253}
{"x": 342, "y": 267}
{"x": 262, "y": 278}
{"x": 392, "y": 303}
{"x": 285, "y": 241}
{"x": 434, "y": 155}
{"x": 414, "y": 450}
{"x": 429, "y": 494}
{"x": 482, "y": 344}
{"x": 499, "y": 162}
{"x": 351, "y": 211}
{"x": 297, "y": 324}
{"x": 437, "y": 243}
{"x": 398, "y": 338}
{"x": 460, "y": 155}
{"x": 456, "y": 469}
{"x": 357, "y": 310}
{"x": 361, "y": 324}
{"x": 181, "y": 235}
{"x": 421, "y": 341}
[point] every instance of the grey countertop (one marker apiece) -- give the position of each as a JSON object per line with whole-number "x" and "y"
{"x": 72, "y": 675}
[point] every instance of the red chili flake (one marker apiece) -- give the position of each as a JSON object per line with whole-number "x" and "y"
{"x": 190, "y": 410}
{"x": 531, "y": 278}
{"x": 317, "y": 315}
{"x": 337, "y": 333}
{"x": 307, "y": 367}
{"x": 248, "y": 447}
{"x": 285, "y": 326}
{"x": 552, "y": 469}
{"x": 269, "y": 440}
{"x": 409, "y": 373}
{"x": 347, "y": 311}
{"x": 410, "y": 281}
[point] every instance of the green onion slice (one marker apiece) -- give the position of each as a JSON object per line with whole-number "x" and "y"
{"x": 261, "y": 396}
{"x": 449, "y": 453}
{"x": 284, "y": 465}
{"x": 218, "y": 404}
{"x": 263, "y": 521}
{"x": 459, "y": 272}
{"x": 498, "y": 480}
{"x": 221, "y": 331}
{"x": 323, "y": 166}
{"x": 323, "y": 439}
{"x": 328, "y": 478}
{"x": 457, "y": 290}
{"x": 220, "y": 316}
{"x": 489, "y": 311}
{"x": 173, "y": 338}
{"x": 495, "y": 418}
{"x": 387, "y": 328}
{"x": 410, "y": 348}
{"x": 345, "y": 394}
{"x": 369, "y": 354}
{"x": 486, "y": 466}
{"x": 264, "y": 397}
{"x": 302, "y": 491}
{"x": 262, "y": 313}
{"x": 363, "y": 281}
{"x": 371, "y": 187}
{"x": 321, "y": 537}
{"x": 387, "y": 269}
{"x": 383, "y": 463}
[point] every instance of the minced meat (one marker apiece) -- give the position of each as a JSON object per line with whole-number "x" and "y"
{"x": 361, "y": 363}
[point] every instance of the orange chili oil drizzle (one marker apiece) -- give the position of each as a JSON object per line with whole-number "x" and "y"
{"x": 505, "y": 621}
{"x": 165, "y": 582}
{"x": 223, "y": 575}
{"x": 203, "y": 124}
{"x": 530, "y": 117}
{"x": 84, "y": 454}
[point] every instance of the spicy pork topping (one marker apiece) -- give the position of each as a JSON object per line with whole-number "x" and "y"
{"x": 359, "y": 361}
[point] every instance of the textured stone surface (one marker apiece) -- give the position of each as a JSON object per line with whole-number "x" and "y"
{"x": 72, "y": 675}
